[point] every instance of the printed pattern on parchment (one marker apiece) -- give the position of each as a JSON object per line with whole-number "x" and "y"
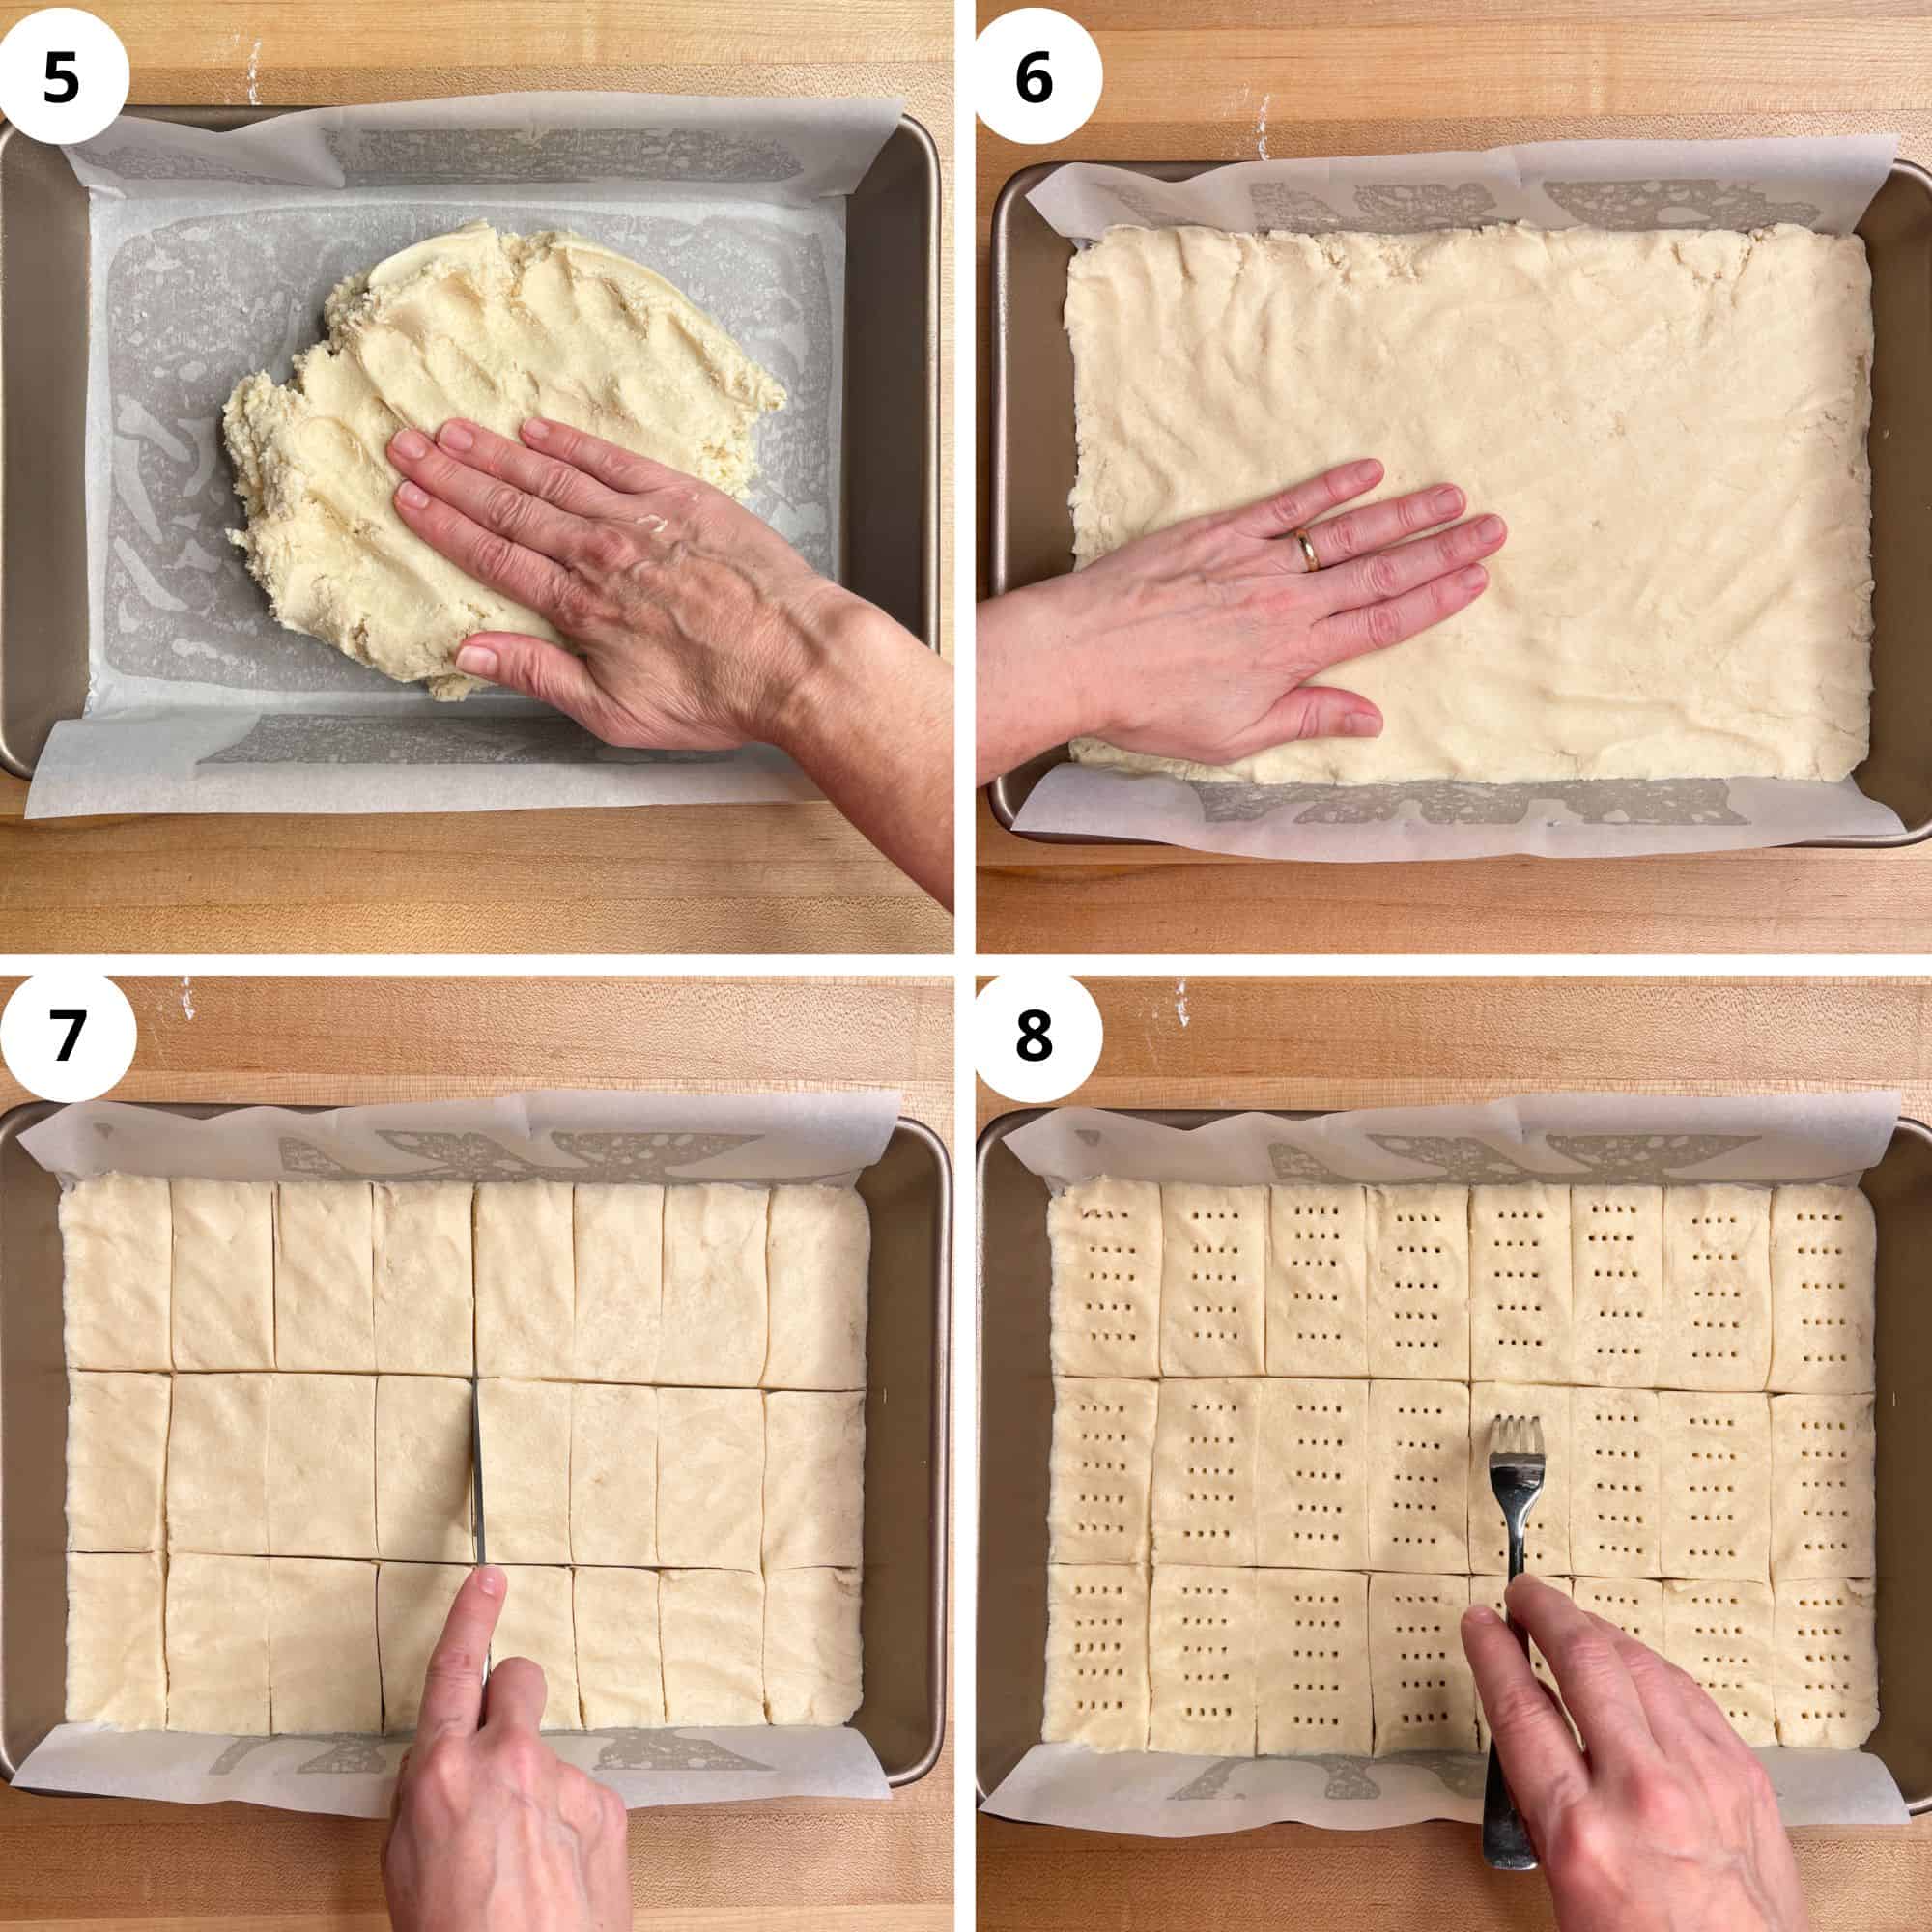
{"x": 1410, "y": 207}
{"x": 592, "y": 1157}
{"x": 1604, "y": 1158}
{"x": 402, "y": 156}
{"x": 669, "y": 1751}
{"x": 1457, "y": 801}
{"x": 343, "y": 1754}
{"x": 141, "y": 164}
{"x": 1294, "y": 1163}
{"x": 1461, "y": 1772}
{"x": 1277, "y": 206}
{"x": 198, "y": 305}
{"x": 292, "y": 738}
{"x": 1657, "y": 203}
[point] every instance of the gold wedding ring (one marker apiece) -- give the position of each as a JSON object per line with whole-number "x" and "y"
{"x": 1310, "y": 560}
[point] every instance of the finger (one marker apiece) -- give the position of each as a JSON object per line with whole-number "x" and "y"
{"x": 1539, "y": 1758}
{"x": 514, "y": 1699}
{"x": 1312, "y": 711}
{"x": 542, "y": 476}
{"x": 1590, "y": 1674}
{"x": 504, "y": 509}
{"x": 1374, "y": 525}
{"x": 1275, "y": 516}
{"x": 1386, "y": 574}
{"x": 616, "y": 468}
{"x": 545, "y": 671}
{"x": 452, "y": 1699}
{"x": 1374, "y": 626}
{"x": 533, "y": 580}
{"x": 1680, "y": 1713}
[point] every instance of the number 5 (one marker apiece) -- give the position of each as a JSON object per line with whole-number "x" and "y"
{"x": 1035, "y": 83}
{"x": 77, "y": 1018}
{"x": 69, "y": 81}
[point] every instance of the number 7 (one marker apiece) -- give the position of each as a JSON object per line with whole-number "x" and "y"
{"x": 78, "y": 1019}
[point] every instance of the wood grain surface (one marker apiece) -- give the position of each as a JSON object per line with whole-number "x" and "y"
{"x": 1230, "y": 80}
{"x": 706, "y": 1868}
{"x": 1361, "y": 1042}
{"x": 754, "y": 878}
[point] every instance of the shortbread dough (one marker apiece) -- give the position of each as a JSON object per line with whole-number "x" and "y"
{"x": 1673, "y": 425}
{"x": 813, "y": 1668}
{"x": 711, "y": 1626}
{"x": 613, "y": 1474}
{"x": 537, "y": 1623}
{"x": 495, "y": 328}
{"x": 619, "y": 1664}
{"x": 324, "y": 1672}
{"x": 413, "y": 1603}
{"x": 217, "y": 1644}
{"x": 325, "y": 1276}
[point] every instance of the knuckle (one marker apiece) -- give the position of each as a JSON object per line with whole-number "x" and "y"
{"x": 495, "y": 555}
{"x": 525, "y": 1757}
{"x": 573, "y": 607}
{"x": 1384, "y": 625}
{"x": 505, "y": 506}
{"x": 1413, "y": 513}
{"x": 607, "y": 548}
{"x": 1381, "y": 576}
{"x": 1584, "y": 1838}
{"x": 556, "y": 486}
{"x": 1343, "y": 538}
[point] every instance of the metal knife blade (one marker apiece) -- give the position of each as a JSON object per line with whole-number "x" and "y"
{"x": 476, "y": 1468}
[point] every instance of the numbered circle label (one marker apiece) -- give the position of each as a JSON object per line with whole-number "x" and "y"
{"x": 1035, "y": 1036}
{"x": 1036, "y": 75}
{"x": 63, "y": 74}
{"x": 67, "y": 1036}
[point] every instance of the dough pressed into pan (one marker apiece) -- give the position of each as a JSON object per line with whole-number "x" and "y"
{"x": 1100, "y": 1476}
{"x": 117, "y": 1238}
{"x": 425, "y": 1308}
{"x": 413, "y": 1603}
{"x": 218, "y": 1480}
{"x": 818, "y": 1248}
{"x": 716, "y": 1320}
{"x": 324, "y": 1672}
{"x": 613, "y": 1474}
{"x": 711, "y": 1475}
{"x": 1318, "y": 1281}
{"x": 217, "y": 1644}
{"x": 712, "y": 1626}
{"x": 537, "y": 1623}
{"x": 497, "y": 327}
{"x": 619, "y": 1282}
{"x": 1313, "y": 1678}
{"x": 1105, "y": 1236}
{"x": 815, "y": 1503}
{"x": 526, "y": 1428}
{"x": 322, "y": 1465}
{"x": 1823, "y": 1258}
{"x": 812, "y": 1673}
{"x": 224, "y": 1274}
{"x": 423, "y": 1488}
{"x": 619, "y": 1662}
{"x": 526, "y": 1279}
{"x": 116, "y": 1673}
{"x": 116, "y": 1448}
{"x": 1213, "y": 1288}
{"x": 1096, "y": 1656}
{"x": 325, "y": 1276}
{"x": 1671, "y": 423}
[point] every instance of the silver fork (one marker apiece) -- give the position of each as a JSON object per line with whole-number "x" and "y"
{"x": 1515, "y": 1475}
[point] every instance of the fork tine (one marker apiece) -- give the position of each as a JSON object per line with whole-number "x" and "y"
{"x": 1536, "y": 1435}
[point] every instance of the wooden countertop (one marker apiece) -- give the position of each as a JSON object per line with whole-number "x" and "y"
{"x": 1360, "y": 1042}
{"x": 114, "y": 1865}
{"x": 1381, "y": 76}
{"x": 754, "y": 879}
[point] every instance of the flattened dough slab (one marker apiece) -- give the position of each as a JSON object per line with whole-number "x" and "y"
{"x": 1419, "y": 1476}
{"x": 217, "y": 1483}
{"x": 712, "y": 1625}
{"x": 814, "y": 1479}
{"x": 324, "y": 1672}
{"x": 619, "y": 1237}
{"x": 1096, "y": 1656}
{"x": 1419, "y": 1283}
{"x": 1616, "y": 1512}
{"x": 1823, "y": 1258}
{"x": 1100, "y": 1474}
{"x": 1310, "y": 1474}
{"x": 711, "y": 1476}
{"x": 1825, "y": 1665}
{"x": 537, "y": 1623}
{"x": 818, "y": 1249}
{"x": 1519, "y": 1299}
{"x": 1616, "y": 1246}
{"x": 1202, "y": 1642}
{"x": 812, "y": 1670}
{"x": 325, "y": 1276}
{"x": 1105, "y": 1236}
{"x": 224, "y": 1274}
{"x": 619, "y": 1664}
{"x": 116, "y": 1449}
{"x": 613, "y": 1474}
{"x": 1206, "y": 1437}
{"x": 716, "y": 1310}
{"x": 422, "y": 1469}
{"x": 1824, "y": 1487}
{"x": 526, "y": 1430}
{"x": 1634, "y": 1604}
{"x": 1716, "y": 1277}
{"x": 322, "y": 1465}
{"x": 413, "y": 1603}
{"x": 1721, "y": 1634}
{"x": 1317, "y": 1280}
{"x": 116, "y": 1673}
{"x": 1213, "y": 1291}
{"x": 117, "y": 1243}
{"x": 1312, "y": 1690}
{"x": 1716, "y": 1476}
{"x": 1425, "y": 1698}
{"x": 425, "y": 1304}
{"x": 217, "y": 1644}
{"x": 526, "y": 1279}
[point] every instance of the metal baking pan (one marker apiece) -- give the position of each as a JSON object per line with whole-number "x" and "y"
{"x": 1032, "y": 464}
{"x": 890, "y": 486}
{"x": 902, "y": 1612}
{"x": 1016, "y": 1432}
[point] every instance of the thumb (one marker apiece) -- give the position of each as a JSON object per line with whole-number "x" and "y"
{"x": 545, "y": 671}
{"x": 1314, "y": 711}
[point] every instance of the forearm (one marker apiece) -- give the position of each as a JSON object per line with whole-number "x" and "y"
{"x": 1034, "y": 678}
{"x": 870, "y": 723}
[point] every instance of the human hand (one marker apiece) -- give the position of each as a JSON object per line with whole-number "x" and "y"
{"x": 490, "y": 1829}
{"x": 1198, "y": 642}
{"x": 1670, "y": 1822}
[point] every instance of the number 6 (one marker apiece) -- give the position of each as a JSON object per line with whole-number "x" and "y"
{"x": 1035, "y": 83}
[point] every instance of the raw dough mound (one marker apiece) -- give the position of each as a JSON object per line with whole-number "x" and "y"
{"x": 498, "y": 329}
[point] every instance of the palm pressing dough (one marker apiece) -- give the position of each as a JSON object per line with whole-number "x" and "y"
{"x": 1673, "y": 425}
{"x": 495, "y": 328}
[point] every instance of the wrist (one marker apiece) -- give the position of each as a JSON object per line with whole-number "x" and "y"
{"x": 1045, "y": 662}
{"x": 835, "y": 654}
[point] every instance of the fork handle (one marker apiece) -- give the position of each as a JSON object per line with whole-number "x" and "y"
{"x": 1506, "y": 1845}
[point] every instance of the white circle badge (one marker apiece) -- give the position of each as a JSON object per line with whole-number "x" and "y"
{"x": 1035, "y": 1036}
{"x": 63, "y": 74}
{"x": 1036, "y": 75}
{"x": 67, "y": 1036}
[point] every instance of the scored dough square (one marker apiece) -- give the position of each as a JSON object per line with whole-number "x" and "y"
{"x": 1312, "y": 1666}
{"x": 425, "y": 1305}
{"x": 423, "y": 1489}
{"x": 1716, "y": 1277}
{"x": 1214, "y": 1285}
{"x": 1634, "y": 1604}
{"x": 812, "y": 1661}
{"x": 116, "y": 1673}
{"x": 413, "y": 1603}
{"x": 711, "y": 1479}
{"x": 217, "y": 1644}
{"x": 814, "y": 1509}
{"x": 1721, "y": 1634}
{"x": 1105, "y": 1236}
{"x": 818, "y": 1252}
{"x": 1425, "y": 1698}
{"x": 1825, "y": 1663}
{"x": 1824, "y": 1254}
{"x": 538, "y": 1623}
{"x": 324, "y": 1672}
{"x": 1317, "y": 1271}
{"x": 1715, "y": 1486}
{"x": 1100, "y": 1473}
{"x": 1418, "y": 1465}
{"x": 1202, "y": 1641}
{"x": 1616, "y": 1512}
{"x": 613, "y": 1474}
{"x": 1547, "y": 1532}
{"x": 218, "y": 1482}
{"x": 526, "y": 1279}
{"x": 324, "y": 1275}
{"x": 619, "y": 1249}
{"x": 1519, "y": 1261}
{"x": 1418, "y": 1302}
{"x": 1310, "y": 1474}
{"x": 1823, "y": 1486}
{"x": 526, "y": 1430}
{"x": 1490, "y": 1590}
{"x": 1096, "y": 1656}
{"x": 712, "y": 1627}
{"x": 321, "y": 1466}
{"x": 619, "y": 1666}
{"x": 224, "y": 1274}
{"x": 117, "y": 1243}
{"x": 1205, "y": 1448}
{"x": 1617, "y": 1286}
{"x": 715, "y": 1313}
{"x": 116, "y": 1449}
